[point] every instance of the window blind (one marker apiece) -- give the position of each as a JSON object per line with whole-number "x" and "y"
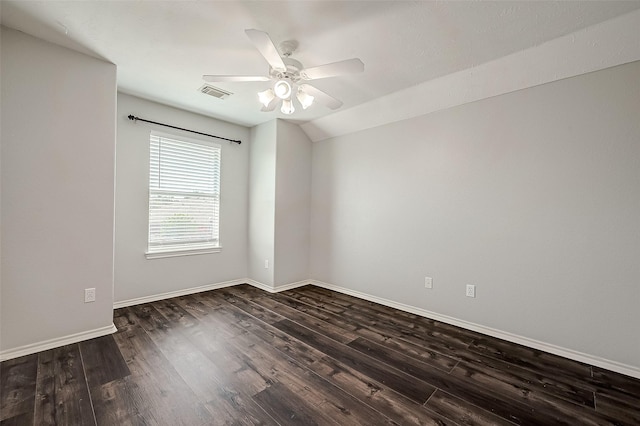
{"x": 184, "y": 195}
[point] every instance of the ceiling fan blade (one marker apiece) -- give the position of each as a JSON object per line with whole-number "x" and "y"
{"x": 321, "y": 97}
{"x": 225, "y": 78}
{"x": 349, "y": 66}
{"x": 263, "y": 43}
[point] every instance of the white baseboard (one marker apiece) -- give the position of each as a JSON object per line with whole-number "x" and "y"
{"x": 170, "y": 294}
{"x": 57, "y": 342}
{"x": 192, "y": 290}
{"x": 278, "y": 288}
{"x": 260, "y": 285}
{"x": 618, "y": 367}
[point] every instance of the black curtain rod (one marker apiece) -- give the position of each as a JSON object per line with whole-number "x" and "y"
{"x": 133, "y": 117}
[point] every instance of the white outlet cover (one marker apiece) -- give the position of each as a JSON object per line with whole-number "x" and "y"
{"x": 471, "y": 290}
{"x": 428, "y": 282}
{"x": 89, "y": 295}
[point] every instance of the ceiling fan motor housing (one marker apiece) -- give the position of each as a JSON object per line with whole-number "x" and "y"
{"x": 292, "y": 72}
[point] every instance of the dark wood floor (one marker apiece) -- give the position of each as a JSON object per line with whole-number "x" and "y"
{"x": 306, "y": 356}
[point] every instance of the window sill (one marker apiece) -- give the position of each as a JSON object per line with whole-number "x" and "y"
{"x": 181, "y": 252}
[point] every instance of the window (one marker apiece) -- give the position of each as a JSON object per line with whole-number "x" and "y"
{"x": 184, "y": 196}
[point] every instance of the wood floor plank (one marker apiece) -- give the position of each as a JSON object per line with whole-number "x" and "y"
{"x": 616, "y": 386}
{"x": 406, "y": 385}
{"x": 463, "y": 412}
{"x": 62, "y": 393}
{"x": 531, "y": 359}
{"x": 269, "y": 364}
{"x": 247, "y": 291}
{"x": 232, "y": 408}
{"x": 627, "y": 411}
{"x": 204, "y": 377}
{"x": 569, "y": 390}
{"x": 103, "y": 362}
{"x": 571, "y": 393}
{"x": 406, "y": 319}
{"x": 480, "y": 396}
{"x": 390, "y": 357}
{"x": 315, "y": 302}
{"x": 508, "y": 409}
{"x": 450, "y": 335}
{"x": 257, "y": 311}
{"x": 287, "y": 408}
{"x": 270, "y": 305}
{"x": 420, "y": 336}
{"x": 217, "y": 375}
{"x": 554, "y": 410}
{"x": 268, "y": 361}
{"x": 291, "y": 302}
{"x": 377, "y": 395}
{"x": 25, "y": 418}
{"x": 45, "y": 408}
{"x": 154, "y": 379}
{"x": 18, "y": 420}
{"x": 419, "y": 352}
{"x": 120, "y": 402}
{"x": 18, "y": 389}
{"x": 270, "y": 369}
{"x": 338, "y": 299}
{"x": 337, "y": 405}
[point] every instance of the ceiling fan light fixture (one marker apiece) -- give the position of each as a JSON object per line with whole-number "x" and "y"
{"x": 287, "y": 107}
{"x": 266, "y": 97}
{"x": 304, "y": 98}
{"x": 282, "y": 89}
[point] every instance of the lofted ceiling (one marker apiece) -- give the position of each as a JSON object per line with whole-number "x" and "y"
{"x": 162, "y": 48}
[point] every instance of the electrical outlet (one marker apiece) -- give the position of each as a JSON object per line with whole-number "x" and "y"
{"x": 266, "y": 264}
{"x": 89, "y": 295}
{"x": 428, "y": 282}
{"x": 471, "y": 290}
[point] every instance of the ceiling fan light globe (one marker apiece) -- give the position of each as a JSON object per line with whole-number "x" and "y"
{"x": 282, "y": 89}
{"x": 305, "y": 99}
{"x": 287, "y": 107}
{"x": 266, "y": 97}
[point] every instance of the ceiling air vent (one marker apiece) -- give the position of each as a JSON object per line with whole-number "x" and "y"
{"x": 216, "y": 92}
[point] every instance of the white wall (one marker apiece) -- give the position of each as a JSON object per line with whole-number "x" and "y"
{"x": 293, "y": 203}
{"x": 262, "y": 199}
{"x": 58, "y": 151}
{"x": 135, "y": 276}
{"x": 532, "y": 196}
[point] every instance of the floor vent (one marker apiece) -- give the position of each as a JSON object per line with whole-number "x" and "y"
{"x": 216, "y": 92}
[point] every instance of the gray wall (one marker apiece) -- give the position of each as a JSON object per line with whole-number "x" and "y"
{"x": 279, "y": 199}
{"x": 262, "y": 202}
{"x": 136, "y": 276}
{"x": 58, "y": 160}
{"x": 293, "y": 202}
{"x": 532, "y": 196}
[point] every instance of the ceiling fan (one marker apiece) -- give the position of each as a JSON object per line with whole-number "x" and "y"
{"x": 289, "y": 76}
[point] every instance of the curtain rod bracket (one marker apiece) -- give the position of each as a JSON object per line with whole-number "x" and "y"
{"x": 134, "y": 118}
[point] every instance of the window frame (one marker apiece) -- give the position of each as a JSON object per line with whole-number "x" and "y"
{"x": 181, "y": 249}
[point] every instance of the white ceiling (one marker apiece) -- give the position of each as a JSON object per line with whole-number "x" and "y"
{"x": 162, "y": 48}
